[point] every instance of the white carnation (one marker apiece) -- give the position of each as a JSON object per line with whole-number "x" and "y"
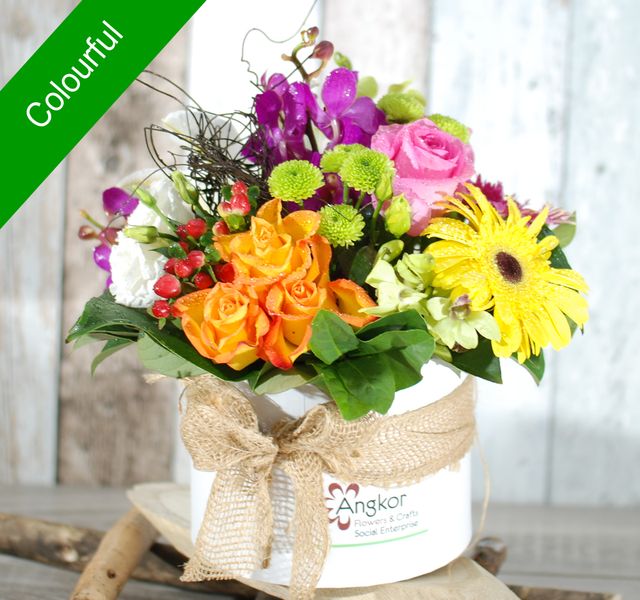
{"x": 134, "y": 270}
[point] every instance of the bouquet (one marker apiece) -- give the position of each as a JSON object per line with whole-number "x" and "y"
{"x": 335, "y": 240}
{"x": 333, "y": 236}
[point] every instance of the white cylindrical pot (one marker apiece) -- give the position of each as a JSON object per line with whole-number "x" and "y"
{"x": 377, "y": 535}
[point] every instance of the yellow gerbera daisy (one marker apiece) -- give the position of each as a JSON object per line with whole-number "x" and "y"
{"x": 501, "y": 264}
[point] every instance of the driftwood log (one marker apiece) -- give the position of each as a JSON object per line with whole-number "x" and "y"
{"x": 69, "y": 547}
{"x": 72, "y": 548}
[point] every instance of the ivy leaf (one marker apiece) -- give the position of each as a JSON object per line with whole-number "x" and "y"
{"x": 331, "y": 337}
{"x": 111, "y": 347}
{"x": 480, "y": 361}
{"x": 535, "y": 365}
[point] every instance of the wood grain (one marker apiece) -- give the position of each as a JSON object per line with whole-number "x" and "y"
{"x": 501, "y": 68}
{"x": 597, "y": 425}
{"x": 114, "y": 428}
{"x": 30, "y": 303}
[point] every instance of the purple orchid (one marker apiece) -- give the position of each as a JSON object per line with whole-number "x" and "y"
{"x": 347, "y": 118}
{"x": 117, "y": 201}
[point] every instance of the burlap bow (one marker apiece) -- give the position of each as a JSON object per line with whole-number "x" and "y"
{"x": 221, "y": 432}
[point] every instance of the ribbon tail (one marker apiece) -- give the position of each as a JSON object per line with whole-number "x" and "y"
{"x": 235, "y": 537}
{"x": 311, "y": 533}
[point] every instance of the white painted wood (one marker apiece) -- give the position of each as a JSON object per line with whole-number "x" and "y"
{"x": 30, "y": 303}
{"x": 500, "y": 67}
{"x": 388, "y": 40}
{"x": 597, "y": 430}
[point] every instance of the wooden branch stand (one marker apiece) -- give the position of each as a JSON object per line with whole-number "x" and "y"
{"x": 163, "y": 509}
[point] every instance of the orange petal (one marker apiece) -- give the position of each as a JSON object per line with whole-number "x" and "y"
{"x": 348, "y": 299}
{"x": 271, "y": 212}
{"x": 302, "y": 224}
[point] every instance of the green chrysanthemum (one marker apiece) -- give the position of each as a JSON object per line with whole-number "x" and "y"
{"x": 451, "y": 126}
{"x": 333, "y": 160}
{"x": 403, "y": 107}
{"x": 341, "y": 224}
{"x": 295, "y": 180}
{"x": 364, "y": 171}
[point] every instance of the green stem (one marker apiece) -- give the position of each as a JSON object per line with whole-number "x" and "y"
{"x": 345, "y": 194}
{"x": 374, "y": 223}
{"x": 360, "y": 199}
{"x": 88, "y": 217}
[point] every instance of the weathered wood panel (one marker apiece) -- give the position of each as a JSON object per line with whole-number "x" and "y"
{"x": 114, "y": 428}
{"x": 500, "y": 67}
{"x": 597, "y": 427}
{"x": 389, "y": 40}
{"x": 30, "y": 303}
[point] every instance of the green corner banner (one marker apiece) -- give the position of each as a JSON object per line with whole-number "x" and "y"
{"x": 73, "y": 79}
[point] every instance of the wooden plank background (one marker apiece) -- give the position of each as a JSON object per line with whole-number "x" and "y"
{"x": 551, "y": 89}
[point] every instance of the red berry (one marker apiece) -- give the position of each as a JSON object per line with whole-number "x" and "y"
{"x": 161, "y": 309}
{"x": 182, "y": 232}
{"x": 239, "y": 187}
{"x": 240, "y": 204}
{"x": 225, "y": 208}
{"x": 221, "y": 228}
{"x": 167, "y": 286}
{"x": 225, "y": 273}
{"x": 170, "y": 266}
{"x": 183, "y": 268}
{"x": 203, "y": 280}
{"x": 184, "y": 246}
{"x": 196, "y": 228}
{"x": 196, "y": 258}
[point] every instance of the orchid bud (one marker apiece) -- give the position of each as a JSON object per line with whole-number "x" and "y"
{"x": 145, "y": 234}
{"x": 187, "y": 191}
{"x": 323, "y": 51}
{"x": 397, "y": 217}
{"x": 310, "y": 35}
{"x": 86, "y": 232}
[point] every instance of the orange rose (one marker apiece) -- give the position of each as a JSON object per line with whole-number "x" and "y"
{"x": 225, "y": 324}
{"x": 346, "y": 298}
{"x": 273, "y": 247}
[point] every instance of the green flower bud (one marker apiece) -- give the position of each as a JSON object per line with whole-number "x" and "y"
{"x": 451, "y": 126}
{"x": 145, "y": 197}
{"x": 295, "y": 180}
{"x": 332, "y": 160}
{"x": 341, "y": 224}
{"x": 341, "y": 60}
{"x": 389, "y": 251}
{"x": 402, "y": 107}
{"x": 364, "y": 171}
{"x": 236, "y": 223}
{"x": 368, "y": 86}
{"x": 397, "y": 217}
{"x": 141, "y": 233}
{"x": 384, "y": 189}
{"x": 187, "y": 191}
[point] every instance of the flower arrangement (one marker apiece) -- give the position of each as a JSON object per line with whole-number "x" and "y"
{"x": 330, "y": 238}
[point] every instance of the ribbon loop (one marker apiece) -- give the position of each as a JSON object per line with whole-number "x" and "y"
{"x": 221, "y": 432}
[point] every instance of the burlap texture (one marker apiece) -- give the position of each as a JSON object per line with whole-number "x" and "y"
{"x": 221, "y": 432}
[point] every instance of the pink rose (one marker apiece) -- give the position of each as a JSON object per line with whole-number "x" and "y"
{"x": 429, "y": 163}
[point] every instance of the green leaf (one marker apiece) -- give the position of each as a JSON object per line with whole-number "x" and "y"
{"x": 273, "y": 381}
{"x": 362, "y": 264}
{"x": 535, "y": 365}
{"x": 401, "y": 321}
{"x": 480, "y": 361}
{"x": 558, "y": 259}
{"x": 394, "y": 340}
{"x": 111, "y": 347}
{"x": 565, "y": 232}
{"x": 104, "y": 314}
{"x": 360, "y": 385}
{"x": 331, "y": 337}
{"x": 160, "y": 360}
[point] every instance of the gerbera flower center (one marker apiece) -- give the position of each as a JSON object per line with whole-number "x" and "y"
{"x": 509, "y": 267}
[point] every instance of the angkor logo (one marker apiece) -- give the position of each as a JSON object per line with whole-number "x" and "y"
{"x": 339, "y": 504}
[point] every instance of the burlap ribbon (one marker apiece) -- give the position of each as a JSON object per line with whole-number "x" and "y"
{"x": 221, "y": 432}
